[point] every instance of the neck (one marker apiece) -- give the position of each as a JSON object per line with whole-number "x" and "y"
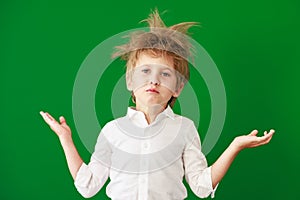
{"x": 151, "y": 112}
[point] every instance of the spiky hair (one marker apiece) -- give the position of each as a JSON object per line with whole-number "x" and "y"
{"x": 172, "y": 39}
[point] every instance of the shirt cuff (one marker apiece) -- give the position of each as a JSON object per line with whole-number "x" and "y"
{"x": 83, "y": 176}
{"x": 212, "y": 194}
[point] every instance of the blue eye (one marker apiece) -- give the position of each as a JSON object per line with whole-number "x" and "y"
{"x": 145, "y": 70}
{"x": 165, "y": 74}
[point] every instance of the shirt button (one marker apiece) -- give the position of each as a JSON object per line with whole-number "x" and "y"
{"x": 146, "y": 146}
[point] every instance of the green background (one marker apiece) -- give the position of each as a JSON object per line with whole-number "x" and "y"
{"x": 255, "y": 45}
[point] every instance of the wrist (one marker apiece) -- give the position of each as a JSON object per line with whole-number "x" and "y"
{"x": 65, "y": 139}
{"x": 235, "y": 146}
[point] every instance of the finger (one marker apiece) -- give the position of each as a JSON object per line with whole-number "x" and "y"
{"x": 265, "y": 139}
{"x": 62, "y": 120}
{"x": 46, "y": 118}
{"x": 42, "y": 113}
{"x": 269, "y": 135}
{"x": 253, "y": 133}
{"x": 269, "y": 139}
{"x": 49, "y": 120}
{"x": 272, "y": 131}
{"x": 265, "y": 133}
{"x": 50, "y": 117}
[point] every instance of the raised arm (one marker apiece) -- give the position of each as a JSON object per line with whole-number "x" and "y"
{"x": 64, "y": 134}
{"x": 220, "y": 167}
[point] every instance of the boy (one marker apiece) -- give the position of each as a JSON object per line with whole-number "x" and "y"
{"x": 147, "y": 152}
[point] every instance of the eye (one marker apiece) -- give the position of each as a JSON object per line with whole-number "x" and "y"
{"x": 145, "y": 70}
{"x": 165, "y": 74}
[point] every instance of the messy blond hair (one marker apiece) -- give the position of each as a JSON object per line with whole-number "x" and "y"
{"x": 160, "y": 41}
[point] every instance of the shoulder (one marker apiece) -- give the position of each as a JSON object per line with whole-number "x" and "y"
{"x": 184, "y": 120}
{"x": 186, "y": 127}
{"x": 112, "y": 125}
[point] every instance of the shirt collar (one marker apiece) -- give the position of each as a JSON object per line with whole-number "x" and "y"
{"x": 133, "y": 113}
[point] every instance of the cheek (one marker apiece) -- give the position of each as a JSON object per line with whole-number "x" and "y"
{"x": 139, "y": 92}
{"x": 138, "y": 81}
{"x": 170, "y": 84}
{"x": 166, "y": 92}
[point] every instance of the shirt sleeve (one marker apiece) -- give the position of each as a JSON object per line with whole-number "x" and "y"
{"x": 197, "y": 173}
{"x": 91, "y": 178}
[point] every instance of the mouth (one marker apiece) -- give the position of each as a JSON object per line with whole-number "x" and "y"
{"x": 151, "y": 90}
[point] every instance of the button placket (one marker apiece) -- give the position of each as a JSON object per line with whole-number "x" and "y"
{"x": 143, "y": 186}
{"x": 144, "y": 165}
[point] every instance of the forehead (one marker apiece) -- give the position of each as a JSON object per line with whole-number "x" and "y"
{"x": 145, "y": 58}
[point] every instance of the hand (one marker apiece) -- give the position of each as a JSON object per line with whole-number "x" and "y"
{"x": 252, "y": 140}
{"x": 60, "y": 128}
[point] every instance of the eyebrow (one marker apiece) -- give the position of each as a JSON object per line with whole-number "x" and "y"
{"x": 163, "y": 67}
{"x": 171, "y": 70}
{"x": 149, "y": 64}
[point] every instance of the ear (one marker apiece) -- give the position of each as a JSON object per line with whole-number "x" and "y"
{"x": 129, "y": 81}
{"x": 179, "y": 89}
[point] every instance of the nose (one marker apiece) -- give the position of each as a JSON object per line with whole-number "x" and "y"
{"x": 154, "y": 80}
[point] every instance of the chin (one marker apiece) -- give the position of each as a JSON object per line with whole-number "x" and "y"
{"x": 154, "y": 104}
{"x": 151, "y": 101}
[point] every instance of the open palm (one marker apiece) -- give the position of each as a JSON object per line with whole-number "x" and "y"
{"x": 60, "y": 128}
{"x": 252, "y": 140}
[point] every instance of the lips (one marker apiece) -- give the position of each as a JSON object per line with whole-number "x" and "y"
{"x": 152, "y": 90}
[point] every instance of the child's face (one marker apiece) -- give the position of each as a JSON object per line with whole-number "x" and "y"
{"x": 153, "y": 81}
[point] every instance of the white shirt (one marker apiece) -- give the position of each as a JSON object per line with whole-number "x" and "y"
{"x": 147, "y": 162}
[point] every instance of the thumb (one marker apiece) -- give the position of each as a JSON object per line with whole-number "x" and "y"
{"x": 62, "y": 120}
{"x": 253, "y": 133}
